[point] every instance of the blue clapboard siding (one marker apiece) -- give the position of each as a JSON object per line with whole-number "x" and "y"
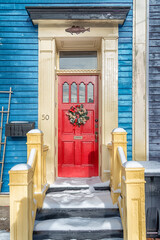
{"x": 154, "y": 80}
{"x": 125, "y": 79}
{"x": 19, "y": 69}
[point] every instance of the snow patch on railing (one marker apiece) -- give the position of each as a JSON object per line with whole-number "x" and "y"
{"x": 122, "y": 155}
{"x": 107, "y": 171}
{"x": 35, "y": 201}
{"x": 132, "y": 164}
{"x": 21, "y": 167}
{"x": 116, "y": 191}
{"x": 123, "y": 177}
{"x": 31, "y": 156}
{"x": 120, "y": 205}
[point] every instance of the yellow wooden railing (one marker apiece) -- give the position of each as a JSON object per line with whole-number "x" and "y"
{"x": 127, "y": 187}
{"x": 27, "y": 188}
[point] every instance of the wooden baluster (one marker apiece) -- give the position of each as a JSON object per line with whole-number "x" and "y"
{"x": 133, "y": 198}
{"x": 21, "y": 200}
{"x": 35, "y": 140}
{"x": 119, "y": 136}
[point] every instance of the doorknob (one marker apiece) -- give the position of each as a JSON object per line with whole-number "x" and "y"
{"x": 96, "y": 136}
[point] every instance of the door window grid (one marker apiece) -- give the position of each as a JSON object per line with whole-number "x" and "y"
{"x": 81, "y": 93}
{"x": 65, "y": 93}
{"x": 90, "y": 93}
{"x": 73, "y": 93}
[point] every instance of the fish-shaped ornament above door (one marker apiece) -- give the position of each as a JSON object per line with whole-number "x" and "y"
{"x": 77, "y": 30}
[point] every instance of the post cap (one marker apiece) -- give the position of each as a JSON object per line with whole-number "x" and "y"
{"x": 35, "y": 131}
{"x": 118, "y": 130}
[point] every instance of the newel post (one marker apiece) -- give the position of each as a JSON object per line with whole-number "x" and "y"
{"x": 133, "y": 198}
{"x": 119, "y": 139}
{"x": 21, "y": 198}
{"x": 35, "y": 140}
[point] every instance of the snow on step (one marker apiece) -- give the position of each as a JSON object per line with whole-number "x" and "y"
{"x": 79, "y": 224}
{"x": 4, "y": 235}
{"x": 79, "y": 182}
{"x": 84, "y": 198}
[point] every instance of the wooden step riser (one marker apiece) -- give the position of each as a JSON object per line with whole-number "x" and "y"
{"x": 78, "y": 235}
{"x": 45, "y": 214}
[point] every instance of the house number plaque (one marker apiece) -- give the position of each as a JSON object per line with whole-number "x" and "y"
{"x": 78, "y": 137}
{"x": 45, "y": 117}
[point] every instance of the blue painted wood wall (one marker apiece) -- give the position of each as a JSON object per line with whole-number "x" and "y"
{"x": 19, "y": 69}
{"x": 154, "y": 80}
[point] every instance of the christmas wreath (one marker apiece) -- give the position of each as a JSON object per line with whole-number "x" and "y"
{"x": 77, "y": 115}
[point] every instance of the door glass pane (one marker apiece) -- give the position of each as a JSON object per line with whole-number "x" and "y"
{"x": 73, "y": 93}
{"x": 65, "y": 93}
{"x": 82, "y": 93}
{"x": 78, "y": 60}
{"x": 90, "y": 93}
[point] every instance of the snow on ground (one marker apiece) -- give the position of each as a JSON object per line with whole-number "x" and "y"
{"x": 79, "y": 224}
{"x": 84, "y": 198}
{"x": 4, "y": 235}
{"x": 79, "y": 182}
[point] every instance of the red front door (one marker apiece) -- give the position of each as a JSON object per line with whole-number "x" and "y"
{"x": 78, "y": 146}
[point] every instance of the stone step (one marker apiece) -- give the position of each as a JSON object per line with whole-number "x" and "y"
{"x": 79, "y": 182}
{"x": 78, "y": 228}
{"x": 61, "y": 189}
{"x": 96, "y": 235}
{"x": 44, "y": 214}
{"x": 84, "y": 199}
{"x": 76, "y": 209}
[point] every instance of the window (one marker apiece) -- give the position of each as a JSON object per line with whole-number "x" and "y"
{"x": 90, "y": 93}
{"x": 78, "y": 60}
{"x": 74, "y": 93}
{"x": 82, "y": 93}
{"x": 65, "y": 93}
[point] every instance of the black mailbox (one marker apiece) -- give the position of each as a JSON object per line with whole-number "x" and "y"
{"x": 18, "y": 128}
{"x": 152, "y": 198}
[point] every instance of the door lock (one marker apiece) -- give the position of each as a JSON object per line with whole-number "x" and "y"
{"x": 96, "y": 136}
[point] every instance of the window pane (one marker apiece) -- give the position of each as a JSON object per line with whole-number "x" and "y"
{"x": 90, "y": 93}
{"x": 78, "y": 60}
{"x": 73, "y": 93}
{"x": 82, "y": 93}
{"x": 65, "y": 93}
